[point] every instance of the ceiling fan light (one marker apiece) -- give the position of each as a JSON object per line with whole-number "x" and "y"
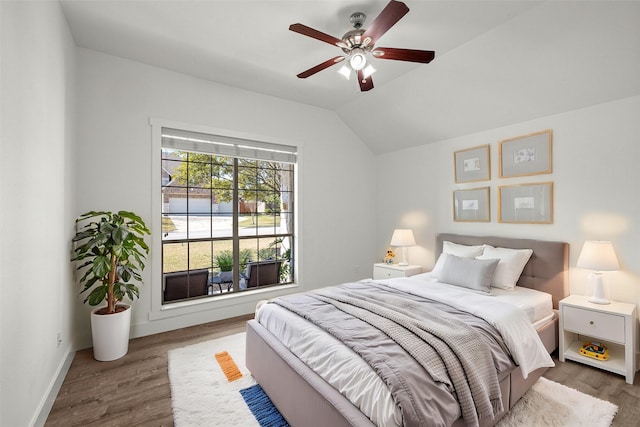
{"x": 368, "y": 70}
{"x": 345, "y": 71}
{"x": 358, "y": 61}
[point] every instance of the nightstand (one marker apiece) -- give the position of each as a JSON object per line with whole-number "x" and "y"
{"x": 388, "y": 271}
{"x": 612, "y": 324}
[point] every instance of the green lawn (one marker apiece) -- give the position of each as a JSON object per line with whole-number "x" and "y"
{"x": 175, "y": 255}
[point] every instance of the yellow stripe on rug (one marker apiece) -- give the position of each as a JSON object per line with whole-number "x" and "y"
{"x": 228, "y": 366}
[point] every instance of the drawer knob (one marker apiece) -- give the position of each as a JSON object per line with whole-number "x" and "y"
{"x": 591, "y": 322}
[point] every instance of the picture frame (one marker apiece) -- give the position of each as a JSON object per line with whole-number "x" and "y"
{"x": 526, "y": 155}
{"x": 526, "y": 203}
{"x": 472, "y": 164}
{"x": 472, "y": 205}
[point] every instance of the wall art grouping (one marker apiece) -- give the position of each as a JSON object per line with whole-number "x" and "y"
{"x": 522, "y": 203}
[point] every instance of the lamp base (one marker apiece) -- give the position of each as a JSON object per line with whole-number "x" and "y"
{"x": 598, "y": 296}
{"x": 404, "y": 257}
{"x": 597, "y": 300}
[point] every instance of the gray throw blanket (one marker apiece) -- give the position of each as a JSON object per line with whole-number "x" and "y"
{"x": 463, "y": 362}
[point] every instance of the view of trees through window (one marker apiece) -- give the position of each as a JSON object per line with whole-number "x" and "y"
{"x": 221, "y": 215}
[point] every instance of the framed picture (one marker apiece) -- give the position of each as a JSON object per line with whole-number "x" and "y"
{"x": 472, "y": 164}
{"x": 471, "y": 205}
{"x": 526, "y": 155}
{"x": 526, "y": 203}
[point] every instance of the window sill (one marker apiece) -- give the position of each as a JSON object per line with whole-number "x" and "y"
{"x": 234, "y": 299}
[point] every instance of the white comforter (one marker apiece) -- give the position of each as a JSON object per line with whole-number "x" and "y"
{"x": 359, "y": 383}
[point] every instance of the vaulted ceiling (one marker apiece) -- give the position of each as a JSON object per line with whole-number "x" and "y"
{"x": 497, "y": 62}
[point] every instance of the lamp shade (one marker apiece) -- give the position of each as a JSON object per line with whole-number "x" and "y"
{"x": 598, "y": 256}
{"x": 402, "y": 237}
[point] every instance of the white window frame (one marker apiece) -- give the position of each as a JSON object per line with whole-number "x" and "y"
{"x": 223, "y": 303}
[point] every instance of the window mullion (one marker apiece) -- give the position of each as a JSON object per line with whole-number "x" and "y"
{"x": 235, "y": 226}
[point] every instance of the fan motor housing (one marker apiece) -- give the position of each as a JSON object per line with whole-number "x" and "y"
{"x": 353, "y": 39}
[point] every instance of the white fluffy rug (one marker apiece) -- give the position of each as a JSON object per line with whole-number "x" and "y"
{"x": 201, "y": 394}
{"x": 551, "y": 404}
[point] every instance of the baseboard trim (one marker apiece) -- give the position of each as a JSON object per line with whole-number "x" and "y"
{"x": 47, "y": 403}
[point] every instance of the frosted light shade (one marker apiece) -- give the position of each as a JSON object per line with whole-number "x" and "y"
{"x": 358, "y": 61}
{"x": 368, "y": 70}
{"x": 598, "y": 256}
{"x": 345, "y": 71}
{"x": 402, "y": 237}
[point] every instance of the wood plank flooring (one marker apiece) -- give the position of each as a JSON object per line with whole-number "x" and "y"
{"x": 134, "y": 390}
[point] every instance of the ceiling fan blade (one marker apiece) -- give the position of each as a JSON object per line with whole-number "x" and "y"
{"x": 365, "y": 83}
{"x": 412, "y": 55}
{"x": 326, "y": 64}
{"x": 315, "y": 34}
{"x": 387, "y": 19}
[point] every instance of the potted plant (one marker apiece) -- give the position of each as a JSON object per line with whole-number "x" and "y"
{"x": 223, "y": 260}
{"x": 111, "y": 250}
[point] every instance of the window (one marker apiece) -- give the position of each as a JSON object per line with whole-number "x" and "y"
{"x": 227, "y": 215}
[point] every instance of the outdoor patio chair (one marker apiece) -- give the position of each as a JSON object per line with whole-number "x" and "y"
{"x": 262, "y": 273}
{"x": 185, "y": 284}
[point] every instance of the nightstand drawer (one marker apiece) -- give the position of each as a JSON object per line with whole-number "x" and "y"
{"x": 386, "y": 273}
{"x": 605, "y": 326}
{"x": 390, "y": 271}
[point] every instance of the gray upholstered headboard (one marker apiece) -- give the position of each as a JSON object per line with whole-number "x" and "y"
{"x": 546, "y": 271}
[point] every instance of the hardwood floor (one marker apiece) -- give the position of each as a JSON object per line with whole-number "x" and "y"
{"x": 134, "y": 390}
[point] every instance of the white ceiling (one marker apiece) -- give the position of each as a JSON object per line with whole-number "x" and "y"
{"x": 497, "y": 62}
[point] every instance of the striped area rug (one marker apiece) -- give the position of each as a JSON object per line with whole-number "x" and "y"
{"x": 211, "y": 386}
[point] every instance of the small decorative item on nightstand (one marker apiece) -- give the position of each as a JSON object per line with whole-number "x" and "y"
{"x": 389, "y": 256}
{"x": 595, "y": 350}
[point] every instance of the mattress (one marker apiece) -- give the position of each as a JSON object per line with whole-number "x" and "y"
{"x": 536, "y": 305}
{"x": 355, "y": 379}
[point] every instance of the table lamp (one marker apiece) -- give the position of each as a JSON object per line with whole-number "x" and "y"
{"x": 598, "y": 256}
{"x": 403, "y": 237}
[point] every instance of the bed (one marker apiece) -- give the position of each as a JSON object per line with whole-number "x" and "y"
{"x": 306, "y": 399}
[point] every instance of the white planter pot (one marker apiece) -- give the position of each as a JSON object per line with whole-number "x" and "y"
{"x": 110, "y": 334}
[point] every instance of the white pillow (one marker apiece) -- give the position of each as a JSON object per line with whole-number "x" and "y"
{"x": 509, "y": 269}
{"x": 475, "y": 274}
{"x": 462, "y": 251}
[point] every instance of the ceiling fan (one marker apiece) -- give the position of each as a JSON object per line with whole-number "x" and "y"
{"x": 358, "y": 43}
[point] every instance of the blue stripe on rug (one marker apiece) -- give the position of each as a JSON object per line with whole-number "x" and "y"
{"x": 262, "y": 407}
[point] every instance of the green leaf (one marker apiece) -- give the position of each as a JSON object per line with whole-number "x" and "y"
{"x": 97, "y": 295}
{"x": 120, "y": 234}
{"x": 124, "y": 274}
{"x": 101, "y": 266}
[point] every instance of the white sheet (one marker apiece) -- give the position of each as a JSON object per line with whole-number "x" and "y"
{"x": 359, "y": 383}
{"x": 536, "y": 305}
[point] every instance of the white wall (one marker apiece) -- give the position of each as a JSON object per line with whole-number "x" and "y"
{"x": 116, "y": 99}
{"x": 36, "y": 207}
{"x": 596, "y": 196}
